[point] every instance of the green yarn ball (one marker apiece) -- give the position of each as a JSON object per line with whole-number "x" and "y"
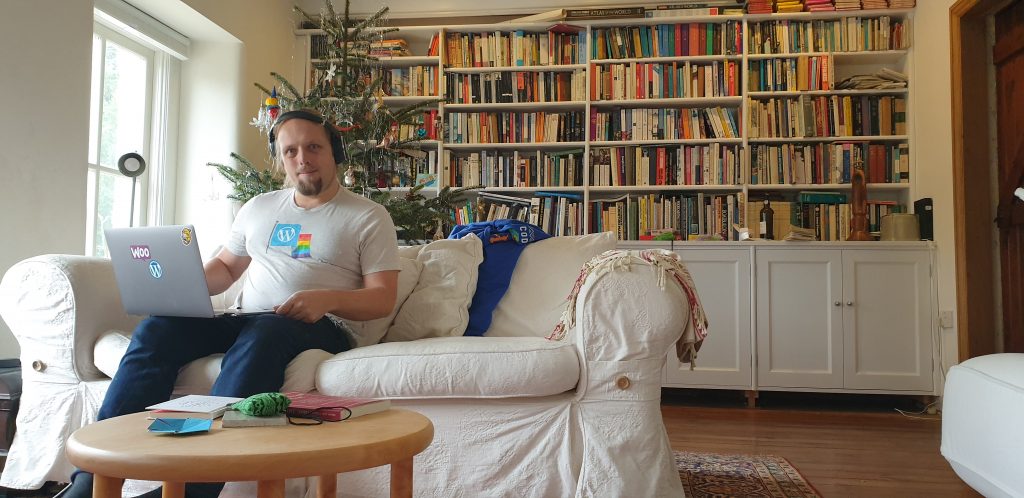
{"x": 263, "y": 404}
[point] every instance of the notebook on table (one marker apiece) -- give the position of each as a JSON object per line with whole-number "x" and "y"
{"x": 159, "y": 272}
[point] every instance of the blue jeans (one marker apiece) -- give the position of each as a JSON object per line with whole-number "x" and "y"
{"x": 256, "y": 348}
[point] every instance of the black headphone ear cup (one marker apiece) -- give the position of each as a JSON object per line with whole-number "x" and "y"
{"x": 337, "y": 144}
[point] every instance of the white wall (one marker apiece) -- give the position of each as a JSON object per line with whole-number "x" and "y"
{"x": 45, "y": 54}
{"x": 933, "y": 150}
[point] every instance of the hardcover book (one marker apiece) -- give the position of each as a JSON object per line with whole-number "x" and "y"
{"x": 332, "y": 408}
{"x": 234, "y": 418}
{"x": 193, "y": 406}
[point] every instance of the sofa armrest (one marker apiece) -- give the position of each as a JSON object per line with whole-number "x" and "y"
{"x": 624, "y": 320}
{"x": 57, "y": 306}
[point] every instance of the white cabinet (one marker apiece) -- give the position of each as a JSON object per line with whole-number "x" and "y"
{"x": 722, "y": 277}
{"x": 846, "y": 319}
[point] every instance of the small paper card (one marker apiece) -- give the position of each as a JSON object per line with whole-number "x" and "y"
{"x": 180, "y": 425}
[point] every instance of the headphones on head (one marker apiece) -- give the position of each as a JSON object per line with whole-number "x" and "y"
{"x": 337, "y": 143}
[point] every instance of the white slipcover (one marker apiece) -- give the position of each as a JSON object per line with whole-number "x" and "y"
{"x": 513, "y": 416}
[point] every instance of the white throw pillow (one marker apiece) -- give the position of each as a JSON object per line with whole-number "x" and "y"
{"x": 371, "y": 331}
{"x": 439, "y": 305}
{"x": 543, "y": 278}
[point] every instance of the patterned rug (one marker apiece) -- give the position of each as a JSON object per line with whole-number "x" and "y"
{"x": 711, "y": 475}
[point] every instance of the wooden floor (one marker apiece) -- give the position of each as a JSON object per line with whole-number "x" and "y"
{"x": 845, "y": 445}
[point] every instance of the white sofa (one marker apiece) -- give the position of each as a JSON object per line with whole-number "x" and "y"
{"x": 515, "y": 414}
{"x": 982, "y": 434}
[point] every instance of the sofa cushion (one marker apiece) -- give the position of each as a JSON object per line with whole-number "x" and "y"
{"x": 197, "y": 377}
{"x": 453, "y": 367}
{"x": 439, "y": 305}
{"x": 372, "y": 331}
{"x": 541, "y": 282}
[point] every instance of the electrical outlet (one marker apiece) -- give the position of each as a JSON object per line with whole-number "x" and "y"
{"x": 946, "y": 319}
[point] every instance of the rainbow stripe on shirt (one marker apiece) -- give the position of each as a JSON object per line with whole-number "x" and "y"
{"x": 301, "y": 249}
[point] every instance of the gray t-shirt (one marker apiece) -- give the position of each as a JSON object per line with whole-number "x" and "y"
{"x": 328, "y": 247}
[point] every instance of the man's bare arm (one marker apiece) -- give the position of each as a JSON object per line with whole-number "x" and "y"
{"x": 375, "y": 300}
{"x": 223, "y": 270}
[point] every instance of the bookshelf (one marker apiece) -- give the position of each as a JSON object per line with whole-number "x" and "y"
{"x": 678, "y": 123}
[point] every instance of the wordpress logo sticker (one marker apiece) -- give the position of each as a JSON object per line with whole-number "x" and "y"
{"x": 285, "y": 234}
{"x": 155, "y": 269}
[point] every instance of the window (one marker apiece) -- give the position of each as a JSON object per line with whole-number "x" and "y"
{"x": 133, "y": 89}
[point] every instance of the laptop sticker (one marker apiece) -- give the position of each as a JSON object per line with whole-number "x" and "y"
{"x": 186, "y": 236}
{"x": 285, "y": 234}
{"x": 302, "y": 247}
{"x": 155, "y": 269}
{"x": 139, "y": 252}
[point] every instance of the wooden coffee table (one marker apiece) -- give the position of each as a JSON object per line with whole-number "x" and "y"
{"x": 121, "y": 448}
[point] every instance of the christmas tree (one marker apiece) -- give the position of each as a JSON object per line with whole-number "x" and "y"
{"x": 348, "y": 88}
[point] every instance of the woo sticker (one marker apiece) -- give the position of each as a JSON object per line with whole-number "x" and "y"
{"x": 139, "y": 252}
{"x": 155, "y": 269}
{"x": 285, "y": 234}
{"x": 186, "y": 236}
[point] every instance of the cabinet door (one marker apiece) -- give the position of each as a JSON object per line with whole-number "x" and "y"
{"x": 887, "y": 319}
{"x": 722, "y": 277}
{"x": 799, "y": 318}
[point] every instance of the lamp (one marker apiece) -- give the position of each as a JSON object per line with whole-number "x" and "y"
{"x": 131, "y": 165}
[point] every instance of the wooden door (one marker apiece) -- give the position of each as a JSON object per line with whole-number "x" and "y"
{"x": 1008, "y": 57}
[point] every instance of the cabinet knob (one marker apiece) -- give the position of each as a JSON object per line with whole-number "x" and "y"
{"x": 38, "y": 366}
{"x": 849, "y": 303}
{"x": 838, "y": 303}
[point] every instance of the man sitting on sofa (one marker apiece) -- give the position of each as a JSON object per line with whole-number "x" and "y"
{"x": 314, "y": 252}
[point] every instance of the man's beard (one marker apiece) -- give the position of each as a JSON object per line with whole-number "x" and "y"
{"x": 310, "y": 188}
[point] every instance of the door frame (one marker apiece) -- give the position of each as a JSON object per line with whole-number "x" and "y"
{"x": 975, "y": 295}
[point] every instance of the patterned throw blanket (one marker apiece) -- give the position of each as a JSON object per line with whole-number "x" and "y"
{"x": 667, "y": 263}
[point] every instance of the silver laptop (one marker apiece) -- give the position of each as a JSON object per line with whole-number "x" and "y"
{"x": 159, "y": 272}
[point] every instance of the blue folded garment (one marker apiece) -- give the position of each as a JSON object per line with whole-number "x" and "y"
{"x": 503, "y": 242}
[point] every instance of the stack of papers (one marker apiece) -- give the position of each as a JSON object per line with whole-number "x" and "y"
{"x": 800, "y": 234}
{"x": 883, "y": 79}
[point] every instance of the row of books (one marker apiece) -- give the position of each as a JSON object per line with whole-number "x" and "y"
{"x": 514, "y": 48}
{"x": 514, "y": 127}
{"x": 685, "y": 216}
{"x": 510, "y": 169}
{"x": 791, "y": 74}
{"x": 667, "y": 40}
{"x": 828, "y": 116}
{"x": 557, "y": 213}
{"x": 710, "y": 164}
{"x": 640, "y": 80}
{"x": 664, "y": 123}
{"x": 405, "y": 170}
{"x": 420, "y": 127}
{"x": 849, "y": 34}
{"x": 827, "y": 163}
{"x": 411, "y": 81}
{"x": 517, "y": 86}
{"x": 790, "y": 6}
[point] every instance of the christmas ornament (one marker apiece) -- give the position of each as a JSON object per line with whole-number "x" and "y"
{"x": 331, "y": 72}
{"x": 350, "y": 177}
{"x": 273, "y": 110}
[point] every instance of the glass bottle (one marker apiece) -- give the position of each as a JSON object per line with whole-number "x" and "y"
{"x": 766, "y": 228}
